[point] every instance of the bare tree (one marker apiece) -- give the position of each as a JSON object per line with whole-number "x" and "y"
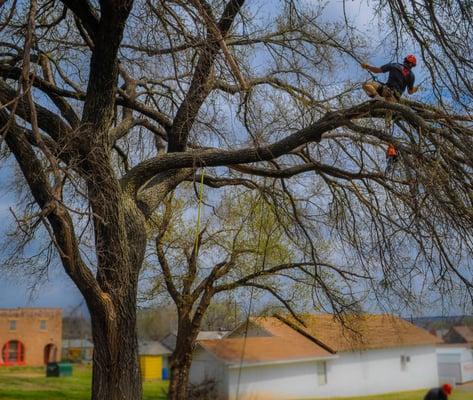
{"x": 248, "y": 248}
{"x": 93, "y": 92}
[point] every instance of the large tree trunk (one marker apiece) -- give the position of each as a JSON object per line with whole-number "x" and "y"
{"x": 116, "y": 373}
{"x": 179, "y": 379}
{"x": 181, "y": 358}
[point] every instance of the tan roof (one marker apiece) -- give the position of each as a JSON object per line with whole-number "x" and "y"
{"x": 152, "y": 348}
{"x": 264, "y": 349}
{"x": 369, "y": 331}
{"x": 465, "y": 332}
{"x": 321, "y": 337}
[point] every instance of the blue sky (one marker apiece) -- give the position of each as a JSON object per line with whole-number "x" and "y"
{"x": 57, "y": 290}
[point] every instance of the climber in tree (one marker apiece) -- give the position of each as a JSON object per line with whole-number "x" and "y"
{"x": 400, "y": 77}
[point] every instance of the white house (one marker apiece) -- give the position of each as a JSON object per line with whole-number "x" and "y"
{"x": 455, "y": 364}
{"x": 282, "y": 359}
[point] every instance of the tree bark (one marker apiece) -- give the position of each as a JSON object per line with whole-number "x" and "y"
{"x": 187, "y": 330}
{"x": 179, "y": 382}
{"x": 116, "y": 374}
{"x": 181, "y": 358}
{"x": 180, "y": 367}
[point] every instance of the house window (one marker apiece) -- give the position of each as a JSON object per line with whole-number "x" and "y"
{"x": 13, "y": 324}
{"x": 322, "y": 372}
{"x": 404, "y": 362}
{"x": 13, "y": 353}
{"x": 42, "y": 324}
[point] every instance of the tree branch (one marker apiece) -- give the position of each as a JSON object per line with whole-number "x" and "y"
{"x": 199, "y": 88}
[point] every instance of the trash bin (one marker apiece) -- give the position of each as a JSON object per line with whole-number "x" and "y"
{"x": 165, "y": 374}
{"x": 65, "y": 369}
{"x": 52, "y": 369}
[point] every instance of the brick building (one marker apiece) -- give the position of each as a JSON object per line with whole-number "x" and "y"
{"x": 30, "y": 336}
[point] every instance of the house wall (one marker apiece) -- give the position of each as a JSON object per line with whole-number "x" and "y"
{"x": 275, "y": 382}
{"x": 379, "y": 371}
{"x": 151, "y": 367}
{"x": 206, "y": 366}
{"x": 29, "y": 333}
{"x": 352, "y": 374}
{"x": 455, "y": 365}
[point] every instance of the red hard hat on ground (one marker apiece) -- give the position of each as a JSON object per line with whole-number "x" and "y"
{"x": 447, "y": 388}
{"x": 411, "y": 58}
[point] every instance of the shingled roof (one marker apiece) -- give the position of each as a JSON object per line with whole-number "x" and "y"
{"x": 465, "y": 332}
{"x": 282, "y": 338}
{"x": 362, "y": 332}
{"x": 264, "y": 349}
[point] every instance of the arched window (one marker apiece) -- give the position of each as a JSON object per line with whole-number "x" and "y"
{"x": 13, "y": 353}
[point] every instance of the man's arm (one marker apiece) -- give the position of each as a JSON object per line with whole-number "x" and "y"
{"x": 374, "y": 70}
{"x": 411, "y": 89}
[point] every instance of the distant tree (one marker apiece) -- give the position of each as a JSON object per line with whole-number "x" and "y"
{"x": 243, "y": 244}
{"x": 108, "y": 106}
{"x": 223, "y": 315}
{"x": 155, "y": 323}
{"x": 76, "y": 325}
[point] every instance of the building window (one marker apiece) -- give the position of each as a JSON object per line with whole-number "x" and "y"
{"x": 13, "y": 353}
{"x": 405, "y": 360}
{"x": 322, "y": 372}
{"x": 13, "y": 324}
{"x": 42, "y": 324}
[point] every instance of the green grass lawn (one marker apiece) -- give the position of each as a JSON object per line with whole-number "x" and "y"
{"x": 18, "y": 383}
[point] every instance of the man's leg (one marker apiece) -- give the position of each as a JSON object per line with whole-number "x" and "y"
{"x": 371, "y": 88}
{"x": 389, "y": 97}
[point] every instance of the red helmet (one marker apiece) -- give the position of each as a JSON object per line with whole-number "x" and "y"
{"x": 447, "y": 388}
{"x": 410, "y": 58}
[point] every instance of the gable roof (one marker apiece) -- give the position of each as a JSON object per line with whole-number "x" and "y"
{"x": 282, "y": 339}
{"x": 152, "y": 348}
{"x": 362, "y": 332}
{"x": 278, "y": 326}
{"x": 260, "y": 350}
{"x": 464, "y": 331}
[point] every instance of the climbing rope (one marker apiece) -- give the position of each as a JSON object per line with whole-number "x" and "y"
{"x": 250, "y": 305}
{"x": 199, "y": 211}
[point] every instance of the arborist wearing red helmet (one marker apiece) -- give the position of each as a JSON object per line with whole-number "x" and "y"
{"x": 440, "y": 393}
{"x": 400, "y": 77}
